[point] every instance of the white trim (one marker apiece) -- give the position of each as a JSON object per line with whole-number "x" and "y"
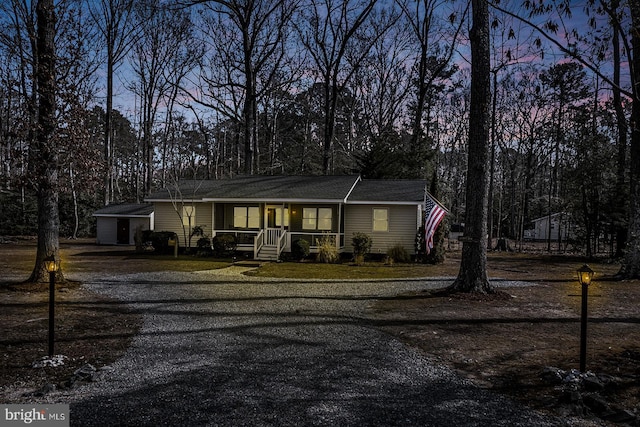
{"x": 352, "y": 188}
{"x": 122, "y": 216}
{"x": 170, "y": 200}
{"x": 271, "y": 201}
{"x": 374, "y": 202}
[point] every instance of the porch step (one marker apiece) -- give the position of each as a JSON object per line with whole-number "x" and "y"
{"x": 268, "y": 253}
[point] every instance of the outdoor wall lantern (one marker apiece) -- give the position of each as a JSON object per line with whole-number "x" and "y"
{"x": 585, "y": 274}
{"x": 51, "y": 265}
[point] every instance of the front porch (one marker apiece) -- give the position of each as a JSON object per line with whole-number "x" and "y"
{"x": 268, "y": 244}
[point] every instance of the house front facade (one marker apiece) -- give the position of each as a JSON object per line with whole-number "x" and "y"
{"x": 267, "y": 214}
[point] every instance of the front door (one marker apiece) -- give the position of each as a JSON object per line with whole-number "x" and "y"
{"x": 277, "y": 220}
{"x": 123, "y": 231}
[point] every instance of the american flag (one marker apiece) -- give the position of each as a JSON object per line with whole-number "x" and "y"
{"x": 433, "y": 214}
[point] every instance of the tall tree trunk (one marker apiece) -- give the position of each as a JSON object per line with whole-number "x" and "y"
{"x": 74, "y": 196}
{"x": 108, "y": 144}
{"x": 473, "y": 266}
{"x": 621, "y": 120}
{"x": 330, "y": 105}
{"x": 631, "y": 262}
{"x": 248, "y": 116}
{"x": 492, "y": 166}
{"x": 45, "y": 152}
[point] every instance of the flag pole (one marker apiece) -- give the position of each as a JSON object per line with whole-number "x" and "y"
{"x": 435, "y": 200}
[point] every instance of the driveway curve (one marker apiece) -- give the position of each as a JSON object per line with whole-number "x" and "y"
{"x": 221, "y": 349}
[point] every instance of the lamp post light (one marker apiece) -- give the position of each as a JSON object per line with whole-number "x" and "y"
{"x": 51, "y": 265}
{"x": 585, "y": 274}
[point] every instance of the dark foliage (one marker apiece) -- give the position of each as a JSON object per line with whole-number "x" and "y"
{"x": 300, "y": 249}
{"x": 18, "y": 216}
{"x": 224, "y": 245}
{"x": 398, "y": 253}
{"x": 159, "y": 240}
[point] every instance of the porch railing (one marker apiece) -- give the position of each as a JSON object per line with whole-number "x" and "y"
{"x": 314, "y": 239}
{"x": 258, "y": 243}
{"x": 272, "y": 236}
{"x": 282, "y": 242}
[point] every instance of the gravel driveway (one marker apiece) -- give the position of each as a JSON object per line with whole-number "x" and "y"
{"x": 217, "y": 348}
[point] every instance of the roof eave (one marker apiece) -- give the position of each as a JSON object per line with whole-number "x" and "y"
{"x": 383, "y": 202}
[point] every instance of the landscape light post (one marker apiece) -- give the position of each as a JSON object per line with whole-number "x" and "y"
{"x": 585, "y": 274}
{"x": 52, "y": 266}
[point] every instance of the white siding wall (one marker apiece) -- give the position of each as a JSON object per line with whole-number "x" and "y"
{"x": 402, "y": 227}
{"x": 166, "y": 219}
{"x": 106, "y": 231}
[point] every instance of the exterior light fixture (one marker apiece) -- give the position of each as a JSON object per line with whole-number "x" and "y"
{"x": 51, "y": 264}
{"x": 585, "y": 274}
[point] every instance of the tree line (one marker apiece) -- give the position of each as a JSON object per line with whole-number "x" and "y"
{"x": 150, "y": 92}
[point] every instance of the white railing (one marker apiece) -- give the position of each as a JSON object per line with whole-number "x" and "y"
{"x": 243, "y": 237}
{"x": 282, "y": 241}
{"x": 258, "y": 243}
{"x": 272, "y": 236}
{"x": 314, "y": 238}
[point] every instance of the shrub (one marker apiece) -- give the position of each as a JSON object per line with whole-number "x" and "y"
{"x": 327, "y": 251}
{"x": 159, "y": 240}
{"x": 204, "y": 247}
{"x": 361, "y": 243}
{"x": 224, "y": 245}
{"x": 300, "y": 249}
{"x": 398, "y": 253}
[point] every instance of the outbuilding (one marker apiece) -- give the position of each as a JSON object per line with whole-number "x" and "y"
{"x": 117, "y": 224}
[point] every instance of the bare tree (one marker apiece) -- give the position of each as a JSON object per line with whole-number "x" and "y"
{"x": 164, "y": 34}
{"x": 45, "y": 152}
{"x": 436, "y": 46}
{"x": 113, "y": 19}
{"x": 331, "y": 31}
{"x": 631, "y": 262}
{"x": 246, "y": 40}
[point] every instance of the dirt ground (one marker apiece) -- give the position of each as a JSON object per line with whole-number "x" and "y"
{"x": 501, "y": 343}
{"x": 505, "y": 343}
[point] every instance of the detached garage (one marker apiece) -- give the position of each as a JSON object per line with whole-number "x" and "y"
{"x": 117, "y": 224}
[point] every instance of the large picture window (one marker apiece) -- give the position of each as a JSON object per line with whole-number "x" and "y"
{"x": 380, "y": 219}
{"x": 246, "y": 217}
{"x": 317, "y": 219}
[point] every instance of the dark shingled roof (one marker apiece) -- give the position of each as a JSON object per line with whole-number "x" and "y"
{"x": 389, "y": 190}
{"x": 287, "y": 188}
{"x": 126, "y": 209}
{"x": 258, "y": 187}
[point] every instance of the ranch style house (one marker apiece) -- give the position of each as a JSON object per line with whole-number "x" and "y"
{"x": 267, "y": 214}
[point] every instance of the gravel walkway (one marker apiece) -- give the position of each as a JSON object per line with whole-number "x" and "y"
{"x": 221, "y": 349}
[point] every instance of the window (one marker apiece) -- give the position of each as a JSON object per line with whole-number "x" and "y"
{"x": 189, "y": 215}
{"x": 324, "y": 218}
{"x": 246, "y": 217}
{"x": 309, "y": 218}
{"x": 317, "y": 218}
{"x": 380, "y": 220}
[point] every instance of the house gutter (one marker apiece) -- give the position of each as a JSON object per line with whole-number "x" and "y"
{"x": 352, "y": 188}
